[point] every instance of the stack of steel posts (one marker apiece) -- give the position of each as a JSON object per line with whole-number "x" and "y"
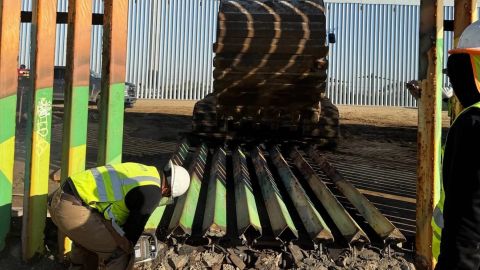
{"x": 297, "y": 202}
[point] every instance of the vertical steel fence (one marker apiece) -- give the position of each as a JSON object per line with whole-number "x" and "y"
{"x": 170, "y": 49}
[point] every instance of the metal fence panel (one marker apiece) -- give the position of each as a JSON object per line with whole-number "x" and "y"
{"x": 170, "y": 56}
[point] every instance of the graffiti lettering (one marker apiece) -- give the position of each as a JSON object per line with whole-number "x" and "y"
{"x": 44, "y": 109}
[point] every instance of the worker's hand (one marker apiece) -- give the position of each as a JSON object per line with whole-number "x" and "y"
{"x": 414, "y": 89}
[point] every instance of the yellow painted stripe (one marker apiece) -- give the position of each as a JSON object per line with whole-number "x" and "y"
{"x": 387, "y": 196}
{"x": 77, "y": 159}
{"x": 7, "y": 149}
{"x": 40, "y": 166}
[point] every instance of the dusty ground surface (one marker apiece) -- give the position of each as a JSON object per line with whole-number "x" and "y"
{"x": 378, "y": 140}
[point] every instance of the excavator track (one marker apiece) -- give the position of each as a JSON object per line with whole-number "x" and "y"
{"x": 270, "y": 73}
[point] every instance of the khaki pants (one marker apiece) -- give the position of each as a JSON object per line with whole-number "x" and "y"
{"x": 94, "y": 245}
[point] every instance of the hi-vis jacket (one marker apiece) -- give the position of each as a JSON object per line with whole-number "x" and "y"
{"x": 437, "y": 219}
{"x": 104, "y": 188}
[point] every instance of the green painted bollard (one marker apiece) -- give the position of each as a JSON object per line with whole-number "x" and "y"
{"x": 9, "y": 39}
{"x": 39, "y": 127}
{"x": 113, "y": 82}
{"x": 75, "y": 122}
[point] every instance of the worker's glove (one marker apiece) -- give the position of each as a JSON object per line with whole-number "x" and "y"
{"x": 414, "y": 89}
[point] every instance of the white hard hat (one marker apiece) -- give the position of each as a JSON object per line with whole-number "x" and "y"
{"x": 178, "y": 179}
{"x": 470, "y": 37}
{"x": 469, "y": 41}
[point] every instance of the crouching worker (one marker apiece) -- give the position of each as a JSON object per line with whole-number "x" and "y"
{"x": 104, "y": 210}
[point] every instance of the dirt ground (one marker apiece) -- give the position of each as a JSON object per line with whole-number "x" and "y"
{"x": 381, "y": 136}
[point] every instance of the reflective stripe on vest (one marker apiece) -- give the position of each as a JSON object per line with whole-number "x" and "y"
{"x": 115, "y": 226}
{"x": 475, "y": 58}
{"x": 104, "y": 188}
{"x": 437, "y": 218}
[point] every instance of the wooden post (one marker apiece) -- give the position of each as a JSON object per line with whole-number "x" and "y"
{"x": 39, "y": 127}
{"x": 77, "y": 92}
{"x": 465, "y": 14}
{"x": 9, "y": 40}
{"x": 113, "y": 81}
{"x": 429, "y": 127}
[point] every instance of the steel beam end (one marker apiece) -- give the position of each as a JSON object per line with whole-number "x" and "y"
{"x": 216, "y": 230}
{"x": 324, "y": 236}
{"x": 395, "y": 237}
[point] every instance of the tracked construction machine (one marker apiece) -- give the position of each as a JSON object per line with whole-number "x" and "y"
{"x": 270, "y": 74}
{"x": 247, "y": 153}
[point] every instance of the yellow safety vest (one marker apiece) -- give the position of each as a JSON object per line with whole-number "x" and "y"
{"x": 104, "y": 188}
{"x": 437, "y": 219}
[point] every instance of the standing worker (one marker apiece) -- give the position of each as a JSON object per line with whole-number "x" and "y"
{"x": 104, "y": 210}
{"x": 460, "y": 236}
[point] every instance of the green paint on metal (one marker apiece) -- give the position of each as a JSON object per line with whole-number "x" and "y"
{"x": 247, "y": 214}
{"x": 178, "y": 159}
{"x": 7, "y": 117}
{"x": 155, "y": 218}
{"x": 215, "y": 219}
{"x": 191, "y": 201}
{"x": 280, "y": 218}
{"x": 186, "y": 205}
{"x": 79, "y": 117}
{"x": 284, "y": 210}
{"x": 5, "y": 208}
{"x": 111, "y": 125}
{"x": 252, "y": 208}
{"x": 75, "y": 131}
{"x": 221, "y": 204}
{"x": 43, "y": 113}
{"x": 438, "y": 118}
{"x": 7, "y": 155}
{"x": 36, "y": 175}
{"x": 6, "y": 188}
{"x": 379, "y": 223}
{"x": 312, "y": 220}
{"x": 344, "y": 222}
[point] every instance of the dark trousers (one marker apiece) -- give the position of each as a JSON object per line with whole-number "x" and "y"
{"x": 459, "y": 255}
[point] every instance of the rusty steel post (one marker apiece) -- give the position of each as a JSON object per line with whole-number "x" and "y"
{"x": 178, "y": 158}
{"x": 248, "y": 220}
{"x": 37, "y": 161}
{"x": 349, "y": 229}
{"x": 9, "y": 43}
{"x": 314, "y": 223}
{"x": 215, "y": 217}
{"x": 390, "y": 234}
{"x": 74, "y": 142}
{"x": 282, "y": 224}
{"x": 465, "y": 14}
{"x": 114, "y": 59}
{"x": 429, "y": 126}
{"x": 181, "y": 222}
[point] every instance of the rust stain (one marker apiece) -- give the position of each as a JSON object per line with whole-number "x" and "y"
{"x": 9, "y": 43}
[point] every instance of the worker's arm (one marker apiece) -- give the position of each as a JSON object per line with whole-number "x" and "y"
{"x": 141, "y": 201}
